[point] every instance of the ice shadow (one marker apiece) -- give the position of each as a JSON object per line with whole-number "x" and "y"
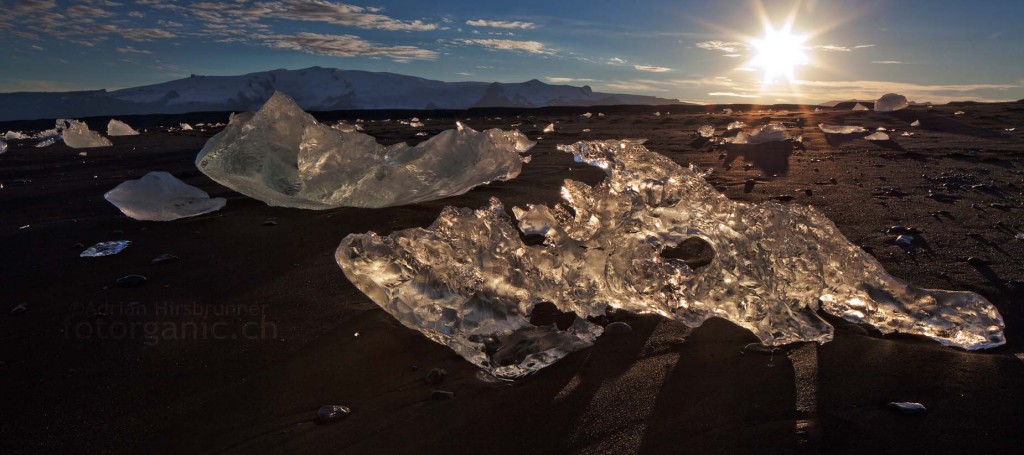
{"x": 772, "y": 158}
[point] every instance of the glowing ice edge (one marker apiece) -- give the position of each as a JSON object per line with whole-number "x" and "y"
{"x": 469, "y": 282}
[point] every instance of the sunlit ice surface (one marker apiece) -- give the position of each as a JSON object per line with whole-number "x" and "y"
{"x": 779, "y": 53}
{"x": 471, "y": 282}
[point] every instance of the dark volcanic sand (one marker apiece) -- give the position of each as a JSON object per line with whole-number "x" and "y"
{"x": 76, "y": 379}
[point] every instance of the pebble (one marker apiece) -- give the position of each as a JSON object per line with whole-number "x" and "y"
{"x": 332, "y": 413}
{"x": 618, "y": 328}
{"x": 132, "y": 281}
{"x": 18, "y": 309}
{"x": 165, "y": 258}
{"x": 435, "y": 376}
{"x": 442, "y": 395}
{"x": 908, "y": 408}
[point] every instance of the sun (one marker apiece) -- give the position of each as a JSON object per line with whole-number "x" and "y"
{"x": 779, "y": 52}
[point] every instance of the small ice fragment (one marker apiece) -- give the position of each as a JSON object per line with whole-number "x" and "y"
{"x": 586, "y": 130}
{"x": 841, "y": 129}
{"x": 959, "y": 113}
{"x": 587, "y": 115}
{"x": 15, "y": 136}
{"x": 421, "y": 133}
{"x": 877, "y": 136}
{"x": 185, "y": 127}
{"x": 860, "y": 107}
{"x": 77, "y": 135}
{"x": 416, "y": 124}
{"x": 1010, "y": 130}
{"x": 119, "y": 128}
{"x": 706, "y": 131}
{"x": 46, "y": 142}
{"x": 346, "y": 127}
{"x": 332, "y": 413}
{"x": 817, "y": 110}
{"x": 1019, "y": 236}
{"x": 772, "y": 132}
{"x": 657, "y": 114}
{"x": 550, "y": 128}
{"x": 735, "y": 125}
{"x": 915, "y": 123}
{"x": 3, "y": 147}
{"x": 890, "y": 102}
{"x": 159, "y": 196}
{"x": 908, "y": 408}
{"x": 105, "y": 248}
{"x": 600, "y": 114}
{"x": 727, "y": 111}
{"x": 907, "y": 134}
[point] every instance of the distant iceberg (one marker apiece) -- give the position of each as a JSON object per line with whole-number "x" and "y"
{"x": 119, "y": 128}
{"x": 890, "y": 102}
{"x": 159, "y": 196}
{"x": 282, "y": 156}
{"x": 470, "y": 282}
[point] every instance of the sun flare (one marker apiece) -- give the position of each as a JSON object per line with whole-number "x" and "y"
{"x": 779, "y": 52}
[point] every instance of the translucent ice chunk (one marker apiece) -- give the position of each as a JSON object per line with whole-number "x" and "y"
{"x": 282, "y": 156}
{"x": 735, "y": 126}
{"x": 468, "y": 281}
{"x": 587, "y": 115}
{"x": 706, "y": 131}
{"x": 3, "y": 147}
{"x": 46, "y": 142}
{"x": 105, "y": 249}
{"x": 915, "y": 123}
{"x": 159, "y": 196}
{"x": 860, "y": 107}
{"x": 119, "y": 128}
{"x": 877, "y": 136}
{"x": 185, "y": 127}
{"x": 15, "y": 136}
{"x": 890, "y": 102}
{"x": 841, "y": 129}
{"x": 771, "y": 132}
{"x": 550, "y": 128}
{"x": 77, "y": 135}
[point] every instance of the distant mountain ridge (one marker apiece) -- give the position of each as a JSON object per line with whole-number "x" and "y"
{"x": 315, "y": 89}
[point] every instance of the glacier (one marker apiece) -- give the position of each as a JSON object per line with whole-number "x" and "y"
{"x": 159, "y": 196}
{"x": 470, "y": 281}
{"x": 119, "y": 128}
{"x": 282, "y": 156}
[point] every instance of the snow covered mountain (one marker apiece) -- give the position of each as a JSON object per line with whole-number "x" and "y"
{"x": 315, "y": 89}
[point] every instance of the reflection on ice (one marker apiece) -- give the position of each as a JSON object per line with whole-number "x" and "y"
{"x": 469, "y": 281}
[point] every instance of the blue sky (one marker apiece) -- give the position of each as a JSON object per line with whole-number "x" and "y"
{"x": 694, "y": 51}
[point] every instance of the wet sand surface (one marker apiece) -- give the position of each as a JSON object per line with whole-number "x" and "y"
{"x": 257, "y": 326}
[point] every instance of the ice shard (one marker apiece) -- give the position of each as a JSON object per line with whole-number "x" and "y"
{"x": 706, "y": 131}
{"x": 159, "y": 196}
{"x": 119, "y": 128}
{"x": 15, "y": 136}
{"x": 3, "y": 147}
{"x": 282, "y": 156}
{"x": 860, "y": 107}
{"x": 77, "y": 135}
{"x": 469, "y": 281}
{"x": 841, "y": 129}
{"x": 550, "y": 128}
{"x": 890, "y": 102}
{"x": 877, "y": 136}
{"x": 772, "y": 132}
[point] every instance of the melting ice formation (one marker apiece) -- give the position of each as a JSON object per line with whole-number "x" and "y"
{"x": 119, "y": 128}
{"x": 469, "y": 281}
{"x": 890, "y": 102}
{"x": 282, "y": 156}
{"x": 159, "y": 196}
{"x": 3, "y": 147}
{"x": 841, "y": 129}
{"x": 771, "y": 132}
{"x": 77, "y": 135}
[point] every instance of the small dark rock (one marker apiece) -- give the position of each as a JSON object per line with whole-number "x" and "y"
{"x": 808, "y": 192}
{"x": 332, "y": 413}
{"x": 435, "y": 376}
{"x": 131, "y": 281}
{"x": 18, "y": 309}
{"x": 442, "y": 395}
{"x": 782, "y": 198}
{"x": 748, "y": 185}
{"x": 618, "y": 328}
{"x": 165, "y": 258}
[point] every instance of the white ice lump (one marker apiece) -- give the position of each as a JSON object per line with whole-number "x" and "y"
{"x": 470, "y": 282}
{"x": 159, "y": 196}
{"x": 119, "y": 128}
{"x": 77, "y": 135}
{"x": 282, "y": 156}
{"x": 890, "y": 102}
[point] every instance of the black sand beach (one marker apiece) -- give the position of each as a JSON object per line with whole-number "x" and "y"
{"x": 258, "y": 326}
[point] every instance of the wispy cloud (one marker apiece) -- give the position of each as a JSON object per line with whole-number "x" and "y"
{"x": 652, "y": 69}
{"x": 345, "y": 46}
{"x": 887, "y": 62}
{"x": 501, "y": 24}
{"x": 838, "y": 48}
{"x": 532, "y": 47}
{"x": 733, "y": 94}
{"x": 132, "y": 50}
{"x": 567, "y": 80}
{"x": 730, "y": 47}
{"x": 303, "y": 10}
